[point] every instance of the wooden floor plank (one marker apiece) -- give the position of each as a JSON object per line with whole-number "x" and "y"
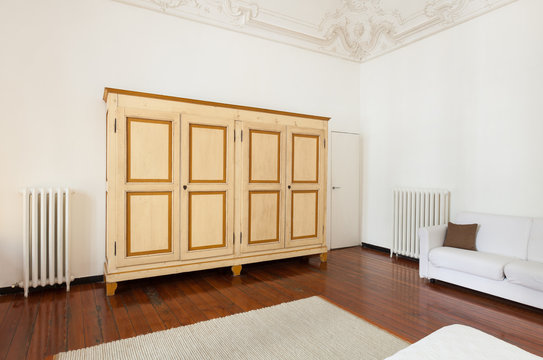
{"x": 148, "y": 311}
{"x": 256, "y": 289}
{"x": 228, "y": 288}
{"x": 135, "y": 314}
{"x": 185, "y": 311}
{"x": 259, "y": 280}
{"x": 386, "y": 291}
{"x": 93, "y": 331}
{"x": 124, "y": 326}
{"x": 207, "y": 304}
{"x": 106, "y": 319}
{"x": 23, "y": 334}
{"x": 38, "y": 343}
{"x": 58, "y": 340}
{"x": 161, "y": 307}
{"x": 5, "y": 303}
{"x": 213, "y": 297}
{"x": 10, "y": 322}
{"x": 75, "y": 325}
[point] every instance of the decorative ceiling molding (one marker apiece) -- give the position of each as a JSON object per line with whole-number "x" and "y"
{"x": 356, "y": 30}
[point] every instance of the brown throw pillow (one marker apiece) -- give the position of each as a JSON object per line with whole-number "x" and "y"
{"x": 461, "y": 236}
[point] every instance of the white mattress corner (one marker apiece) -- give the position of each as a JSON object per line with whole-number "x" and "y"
{"x": 459, "y": 342}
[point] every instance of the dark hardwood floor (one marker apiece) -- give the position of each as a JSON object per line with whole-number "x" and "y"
{"x": 387, "y": 292}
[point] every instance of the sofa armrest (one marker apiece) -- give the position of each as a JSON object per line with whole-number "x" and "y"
{"x": 429, "y": 237}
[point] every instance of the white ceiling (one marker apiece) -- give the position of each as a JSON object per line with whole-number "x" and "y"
{"x": 352, "y": 29}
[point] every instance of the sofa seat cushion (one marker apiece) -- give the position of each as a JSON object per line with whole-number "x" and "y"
{"x": 525, "y": 273}
{"x": 477, "y": 263}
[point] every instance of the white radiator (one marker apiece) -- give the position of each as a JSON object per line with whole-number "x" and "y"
{"x": 46, "y": 238}
{"x": 413, "y": 209}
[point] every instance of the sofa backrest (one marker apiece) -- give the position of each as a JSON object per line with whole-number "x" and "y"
{"x": 499, "y": 234}
{"x": 535, "y": 244}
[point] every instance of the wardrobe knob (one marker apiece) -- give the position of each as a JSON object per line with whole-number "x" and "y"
{"x": 289, "y": 186}
{"x": 184, "y": 187}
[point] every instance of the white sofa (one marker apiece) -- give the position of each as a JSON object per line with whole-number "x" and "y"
{"x": 508, "y": 262}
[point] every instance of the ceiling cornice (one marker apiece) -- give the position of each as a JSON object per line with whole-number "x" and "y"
{"x": 356, "y": 30}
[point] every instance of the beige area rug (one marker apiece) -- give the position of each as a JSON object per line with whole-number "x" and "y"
{"x": 310, "y": 328}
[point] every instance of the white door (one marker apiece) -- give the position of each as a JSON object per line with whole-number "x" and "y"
{"x": 345, "y": 217}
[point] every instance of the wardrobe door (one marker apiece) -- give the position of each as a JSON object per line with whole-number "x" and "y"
{"x": 207, "y": 192}
{"x": 305, "y": 179}
{"x": 147, "y": 187}
{"x": 263, "y": 186}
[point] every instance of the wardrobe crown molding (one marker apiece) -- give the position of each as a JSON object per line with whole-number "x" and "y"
{"x": 108, "y": 91}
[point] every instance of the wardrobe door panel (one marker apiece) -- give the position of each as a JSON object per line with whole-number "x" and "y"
{"x": 207, "y": 153}
{"x": 148, "y": 173}
{"x": 148, "y": 223}
{"x": 305, "y": 189}
{"x": 264, "y": 210}
{"x": 207, "y": 193}
{"x": 207, "y": 220}
{"x": 263, "y": 186}
{"x": 149, "y": 150}
{"x": 264, "y": 156}
{"x": 304, "y": 213}
{"x": 305, "y": 158}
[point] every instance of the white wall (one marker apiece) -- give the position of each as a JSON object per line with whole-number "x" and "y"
{"x": 57, "y": 56}
{"x": 461, "y": 110}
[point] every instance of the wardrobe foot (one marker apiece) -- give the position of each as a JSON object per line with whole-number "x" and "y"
{"x": 110, "y": 288}
{"x": 324, "y": 257}
{"x": 236, "y": 270}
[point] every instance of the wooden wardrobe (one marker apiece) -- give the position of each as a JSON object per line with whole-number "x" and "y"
{"x": 194, "y": 185}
